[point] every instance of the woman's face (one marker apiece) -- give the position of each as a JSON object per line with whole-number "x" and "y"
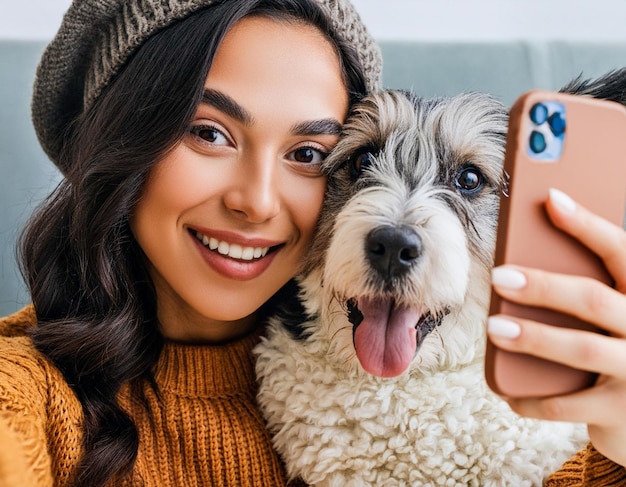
{"x": 226, "y": 217}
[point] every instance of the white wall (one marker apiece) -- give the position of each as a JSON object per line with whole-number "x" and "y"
{"x": 407, "y": 19}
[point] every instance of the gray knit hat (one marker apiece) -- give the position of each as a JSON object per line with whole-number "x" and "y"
{"x": 96, "y": 37}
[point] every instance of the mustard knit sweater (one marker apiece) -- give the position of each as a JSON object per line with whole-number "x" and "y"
{"x": 204, "y": 430}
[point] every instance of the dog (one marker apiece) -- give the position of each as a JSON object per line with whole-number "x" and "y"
{"x": 372, "y": 372}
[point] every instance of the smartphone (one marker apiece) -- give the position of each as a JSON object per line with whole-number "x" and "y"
{"x": 575, "y": 144}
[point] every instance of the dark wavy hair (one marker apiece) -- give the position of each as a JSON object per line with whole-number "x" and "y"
{"x": 94, "y": 299}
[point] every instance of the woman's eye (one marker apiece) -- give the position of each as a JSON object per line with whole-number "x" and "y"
{"x": 469, "y": 180}
{"x": 210, "y": 134}
{"x": 308, "y": 155}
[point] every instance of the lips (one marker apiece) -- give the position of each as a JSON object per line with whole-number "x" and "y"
{"x": 233, "y": 257}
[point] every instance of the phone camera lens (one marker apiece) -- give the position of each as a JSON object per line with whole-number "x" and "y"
{"x": 539, "y": 113}
{"x": 557, "y": 123}
{"x": 537, "y": 142}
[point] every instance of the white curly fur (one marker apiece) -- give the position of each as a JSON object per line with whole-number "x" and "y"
{"x": 436, "y": 424}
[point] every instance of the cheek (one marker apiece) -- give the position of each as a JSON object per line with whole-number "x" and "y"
{"x": 307, "y": 204}
{"x": 171, "y": 188}
{"x": 180, "y": 180}
{"x": 178, "y": 183}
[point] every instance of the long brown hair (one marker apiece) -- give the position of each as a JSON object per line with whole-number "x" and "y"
{"x": 95, "y": 302}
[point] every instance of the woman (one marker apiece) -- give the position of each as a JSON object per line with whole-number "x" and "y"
{"x": 190, "y": 135}
{"x": 184, "y": 131}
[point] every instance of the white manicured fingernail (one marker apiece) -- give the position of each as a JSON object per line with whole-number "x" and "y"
{"x": 562, "y": 201}
{"x": 507, "y": 277}
{"x": 502, "y": 327}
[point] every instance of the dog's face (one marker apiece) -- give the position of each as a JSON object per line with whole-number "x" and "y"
{"x": 407, "y": 232}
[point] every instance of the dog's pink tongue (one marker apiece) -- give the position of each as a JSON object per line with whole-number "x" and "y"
{"x": 385, "y": 340}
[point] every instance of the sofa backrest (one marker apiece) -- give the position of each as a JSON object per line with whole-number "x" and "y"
{"x": 505, "y": 69}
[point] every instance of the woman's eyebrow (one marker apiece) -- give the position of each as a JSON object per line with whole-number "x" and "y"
{"x": 326, "y": 126}
{"x": 226, "y": 104}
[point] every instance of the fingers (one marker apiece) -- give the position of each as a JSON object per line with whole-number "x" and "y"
{"x": 595, "y": 406}
{"x": 585, "y": 298}
{"x": 599, "y": 407}
{"x": 575, "y": 348}
{"x": 582, "y": 297}
{"x": 605, "y": 239}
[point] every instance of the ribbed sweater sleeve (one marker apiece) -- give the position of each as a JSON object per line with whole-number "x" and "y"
{"x": 588, "y": 468}
{"x": 14, "y": 468}
{"x": 22, "y": 407}
{"x": 40, "y": 416}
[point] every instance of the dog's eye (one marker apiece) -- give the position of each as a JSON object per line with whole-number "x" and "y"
{"x": 469, "y": 180}
{"x": 361, "y": 160}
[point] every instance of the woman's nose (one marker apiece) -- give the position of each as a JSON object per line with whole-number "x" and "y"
{"x": 254, "y": 194}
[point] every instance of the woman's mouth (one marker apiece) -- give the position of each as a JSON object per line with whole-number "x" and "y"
{"x": 234, "y": 260}
{"x": 232, "y": 250}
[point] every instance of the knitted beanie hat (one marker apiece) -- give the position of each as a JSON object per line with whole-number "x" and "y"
{"x": 96, "y": 37}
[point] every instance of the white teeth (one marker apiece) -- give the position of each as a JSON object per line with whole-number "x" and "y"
{"x": 223, "y": 248}
{"x": 247, "y": 253}
{"x": 235, "y": 251}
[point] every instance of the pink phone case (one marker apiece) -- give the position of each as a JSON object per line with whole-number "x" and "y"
{"x": 591, "y": 168}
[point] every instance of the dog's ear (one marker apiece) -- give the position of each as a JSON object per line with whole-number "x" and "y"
{"x": 610, "y": 86}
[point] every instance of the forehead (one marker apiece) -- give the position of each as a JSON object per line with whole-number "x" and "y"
{"x": 271, "y": 64}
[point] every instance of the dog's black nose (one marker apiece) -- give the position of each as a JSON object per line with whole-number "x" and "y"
{"x": 393, "y": 250}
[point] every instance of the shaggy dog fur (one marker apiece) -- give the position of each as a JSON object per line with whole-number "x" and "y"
{"x": 373, "y": 373}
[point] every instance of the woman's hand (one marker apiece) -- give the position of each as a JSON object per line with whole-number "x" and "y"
{"x": 603, "y": 406}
